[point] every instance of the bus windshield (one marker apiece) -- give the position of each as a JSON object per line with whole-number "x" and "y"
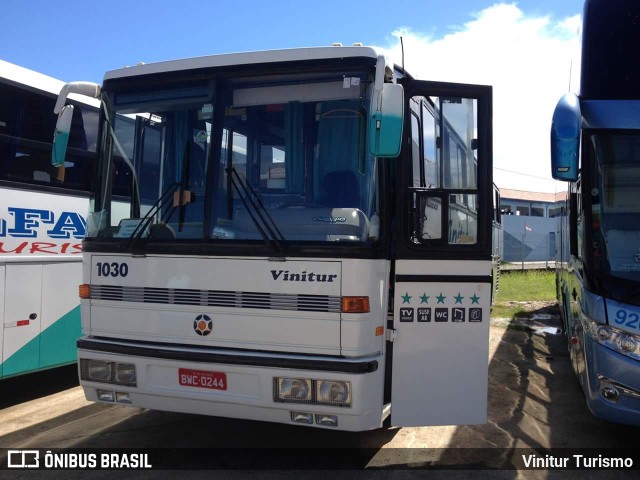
{"x": 615, "y": 207}
{"x": 237, "y": 162}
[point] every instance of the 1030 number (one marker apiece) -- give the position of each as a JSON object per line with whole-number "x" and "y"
{"x": 113, "y": 269}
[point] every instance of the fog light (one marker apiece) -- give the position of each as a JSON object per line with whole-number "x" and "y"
{"x": 302, "y": 417}
{"x": 126, "y": 374}
{"x": 327, "y": 420}
{"x": 293, "y": 390}
{"x": 105, "y": 396}
{"x": 334, "y": 392}
{"x": 609, "y": 392}
{"x": 123, "y": 397}
{"x": 95, "y": 370}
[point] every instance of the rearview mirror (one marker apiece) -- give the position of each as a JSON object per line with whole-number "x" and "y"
{"x": 65, "y": 115}
{"x": 61, "y": 136}
{"x": 565, "y": 138}
{"x": 385, "y": 120}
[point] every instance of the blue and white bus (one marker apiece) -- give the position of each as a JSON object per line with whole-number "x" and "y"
{"x": 595, "y": 147}
{"x": 42, "y": 222}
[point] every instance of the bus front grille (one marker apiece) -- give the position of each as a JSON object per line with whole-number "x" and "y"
{"x": 218, "y": 298}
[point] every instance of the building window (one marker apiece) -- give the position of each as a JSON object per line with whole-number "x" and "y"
{"x": 522, "y": 210}
{"x": 537, "y": 211}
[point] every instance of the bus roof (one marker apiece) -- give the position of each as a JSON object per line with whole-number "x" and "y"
{"x": 245, "y": 58}
{"x": 38, "y": 81}
{"x": 31, "y": 78}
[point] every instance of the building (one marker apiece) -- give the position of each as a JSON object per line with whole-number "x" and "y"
{"x": 529, "y": 224}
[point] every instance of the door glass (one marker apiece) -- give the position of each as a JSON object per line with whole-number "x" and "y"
{"x": 446, "y": 197}
{"x": 459, "y": 141}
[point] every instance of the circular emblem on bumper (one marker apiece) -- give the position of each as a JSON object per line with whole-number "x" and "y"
{"x": 203, "y": 325}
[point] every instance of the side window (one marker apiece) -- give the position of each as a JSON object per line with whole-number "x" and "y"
{"x": 27, "y": 123}
{"x": 429, "y": 211}
{"x": 446, "y": 201}
{"x": 415, "y": 149}
{"x": 429, "y": 149}
{"x": 79, "y": 164}
{"x": 497, "y": 207}
{"x": 579, "y": 220}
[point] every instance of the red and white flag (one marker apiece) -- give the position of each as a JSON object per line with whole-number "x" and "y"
{"x": 527, "y": 227}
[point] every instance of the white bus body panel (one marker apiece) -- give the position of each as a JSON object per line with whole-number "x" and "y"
{"x": 441, "y": 349}
{"x": 41, "y": 268}
{"x": 276, "y": 331}
{"x": 254, "y": 303}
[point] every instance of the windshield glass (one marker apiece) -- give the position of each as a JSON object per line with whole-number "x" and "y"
{"x": 232, "y": 162}
{"x": 615, "y": 206}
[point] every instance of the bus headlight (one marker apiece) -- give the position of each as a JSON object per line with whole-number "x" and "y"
{"x": 626, "y": 343}
{"x": 334, "y": 393}
{"x": 331, "y": 392}
{"x": 618, "y": 340}
{"x": 603, "y": 332}
{"x": 296, "y": 390}
{"x": 95, "y": 370}
{"x": 105, "y": 371}
{"x": 125, "y": 374}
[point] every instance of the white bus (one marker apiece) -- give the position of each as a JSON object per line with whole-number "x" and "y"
{"x": 42, "y": 222}
{"x": 307, "y": 241}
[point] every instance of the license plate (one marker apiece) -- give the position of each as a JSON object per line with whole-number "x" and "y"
{"x": 202, "y": 379}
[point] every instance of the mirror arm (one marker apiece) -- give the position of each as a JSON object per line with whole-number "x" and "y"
{"x": 87, "y": 89}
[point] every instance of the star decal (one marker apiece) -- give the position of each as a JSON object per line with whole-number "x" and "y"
{"x": 424, "y": 298}
{"x": 475, "y": 299}
{"x": 406, "y": 298}
{"x": 441, "y": 298}
{"x": 458, "y": 298}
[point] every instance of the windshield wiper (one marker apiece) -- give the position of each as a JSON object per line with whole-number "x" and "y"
{"x": 260, "y": 215}
{"x": 148, "y": 217}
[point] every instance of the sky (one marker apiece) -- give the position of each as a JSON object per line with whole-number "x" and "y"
{"x": 525, "y": 49}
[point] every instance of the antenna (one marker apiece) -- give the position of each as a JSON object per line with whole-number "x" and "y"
{"x": 402, "y": 49}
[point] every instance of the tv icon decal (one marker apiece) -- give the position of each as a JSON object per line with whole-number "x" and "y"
{"x": 406, "y": 314}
